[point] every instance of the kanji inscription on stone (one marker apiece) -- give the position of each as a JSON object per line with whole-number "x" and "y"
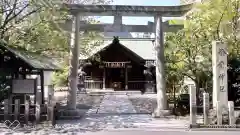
{"x": 222, "y": 88}
{"x": 221, "y": 64}
{"x": 222, "y": 52}
{"x": 221, "y": 76}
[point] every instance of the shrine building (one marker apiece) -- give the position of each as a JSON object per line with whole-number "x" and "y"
{"x": 121, "y": 64}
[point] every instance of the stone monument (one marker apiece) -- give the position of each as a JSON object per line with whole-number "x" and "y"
{"x": 193, "y": 105}
{"x": 220, "y": 80}
{"x": 205, "y": 108}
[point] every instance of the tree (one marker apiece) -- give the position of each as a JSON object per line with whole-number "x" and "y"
{"x": 190, "y": 58}
{"x": 189, "y": 1}
{"x": 211, "y": 20}
{"x": 33, "y": 26}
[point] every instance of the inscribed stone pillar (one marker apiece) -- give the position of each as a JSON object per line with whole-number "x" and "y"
{"x": 26, "y": 111}
{"x": 160, "y": 73}
{"x": 205, "y": 108}
{"x": 50, "y": 104}
{"x": 38, "y": 106}
{"x": 6, "y": 109}
{"x": 220, "y": 80}
{"x": 231, "y": 113}
{"x": 219, "y": 113}
{"x": 104, "y": 77}
{"x": 193, "y": 105}
{"x": 74, "y": 62}
{"x": 16, "y": 109}
{"x": 10, "y": 99}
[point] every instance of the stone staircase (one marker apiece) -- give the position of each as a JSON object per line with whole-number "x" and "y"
{"x": 111, "y": 92}
{"x": 70, "y": 114}
{"x": 84, "y": 103}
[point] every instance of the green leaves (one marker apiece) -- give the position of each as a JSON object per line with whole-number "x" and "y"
{"x": 189, "y": 50}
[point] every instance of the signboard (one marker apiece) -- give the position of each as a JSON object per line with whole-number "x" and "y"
{"x": 47, "y": 77}
{"x": 150, "y": 63}
{"x": 24, "y": 86}
{"x": 115, "y": 64}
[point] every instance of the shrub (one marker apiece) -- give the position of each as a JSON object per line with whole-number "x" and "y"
{"x": 60, "y": 78}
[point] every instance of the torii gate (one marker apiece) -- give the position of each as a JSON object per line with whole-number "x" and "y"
{"x": 117, "y": 26}
{"x": 78, "y": 10}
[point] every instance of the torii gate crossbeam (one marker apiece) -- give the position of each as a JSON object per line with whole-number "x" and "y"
{"x": 128, "y": 10}
{"x": 126, "y": 28}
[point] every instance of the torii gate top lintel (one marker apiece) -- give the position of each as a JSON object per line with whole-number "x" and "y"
{"x": 129, "y": 10}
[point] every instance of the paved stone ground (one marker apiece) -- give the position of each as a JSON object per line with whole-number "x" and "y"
{"x": 116, "y": 104}
{"x": 115, "y": 112}
{"x": 145, "y": 103}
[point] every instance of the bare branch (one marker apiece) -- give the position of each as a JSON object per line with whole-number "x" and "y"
{"x": 50, "y": 49}
{"x": 16, "y": 14}
{"x": 220, "y": 20}
{"x": 7, "y": 20}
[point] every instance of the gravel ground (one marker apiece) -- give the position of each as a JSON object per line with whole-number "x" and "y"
{"x": 145, "y": 103}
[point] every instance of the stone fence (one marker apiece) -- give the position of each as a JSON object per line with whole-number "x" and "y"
{"x": 23, "y": 113}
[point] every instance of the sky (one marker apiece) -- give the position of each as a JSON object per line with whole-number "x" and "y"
{"x": 138, "y": 20}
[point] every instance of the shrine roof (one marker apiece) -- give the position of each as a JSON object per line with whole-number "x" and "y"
{"x": 129, "y": 10}
{"x": 143, "y": 47}
{"x": 34, "y": 60}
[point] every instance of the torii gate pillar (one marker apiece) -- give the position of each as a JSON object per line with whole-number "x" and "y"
{"x": 73, "y": 65}
{"x": 161, "y": 109}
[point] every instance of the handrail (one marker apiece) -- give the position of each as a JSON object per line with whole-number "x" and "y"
{"x": 139, "y": 81}
{"x": 135, "y": 84}
{"x": 92, "y": 81}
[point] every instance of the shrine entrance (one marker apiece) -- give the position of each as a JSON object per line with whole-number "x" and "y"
{"x": 115, "y": 75}
{"x": 115, "y": 78}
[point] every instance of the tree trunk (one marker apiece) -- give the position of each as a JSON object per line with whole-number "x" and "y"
{"x": 174, "y": 97}
{"x": 73, "y": 63}
{"x": 160, "y": 71}
{"x": 197, "y": 91}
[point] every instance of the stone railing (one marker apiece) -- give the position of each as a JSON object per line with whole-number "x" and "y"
{"x": 19, "y": 109}
{"x": 221, "y": 116}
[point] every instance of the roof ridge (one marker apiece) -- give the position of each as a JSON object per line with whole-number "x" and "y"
{"x": 133, "y": 39}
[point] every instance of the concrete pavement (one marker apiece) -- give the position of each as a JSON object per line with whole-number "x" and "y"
{"x": 164, "y": 133}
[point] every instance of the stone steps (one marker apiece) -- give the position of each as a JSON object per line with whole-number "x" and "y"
{"x": 108, "y": 92}
{"x": 71, "y": 114}
{"x": 70, "y": 117}
{"x": 64, "y": 114}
